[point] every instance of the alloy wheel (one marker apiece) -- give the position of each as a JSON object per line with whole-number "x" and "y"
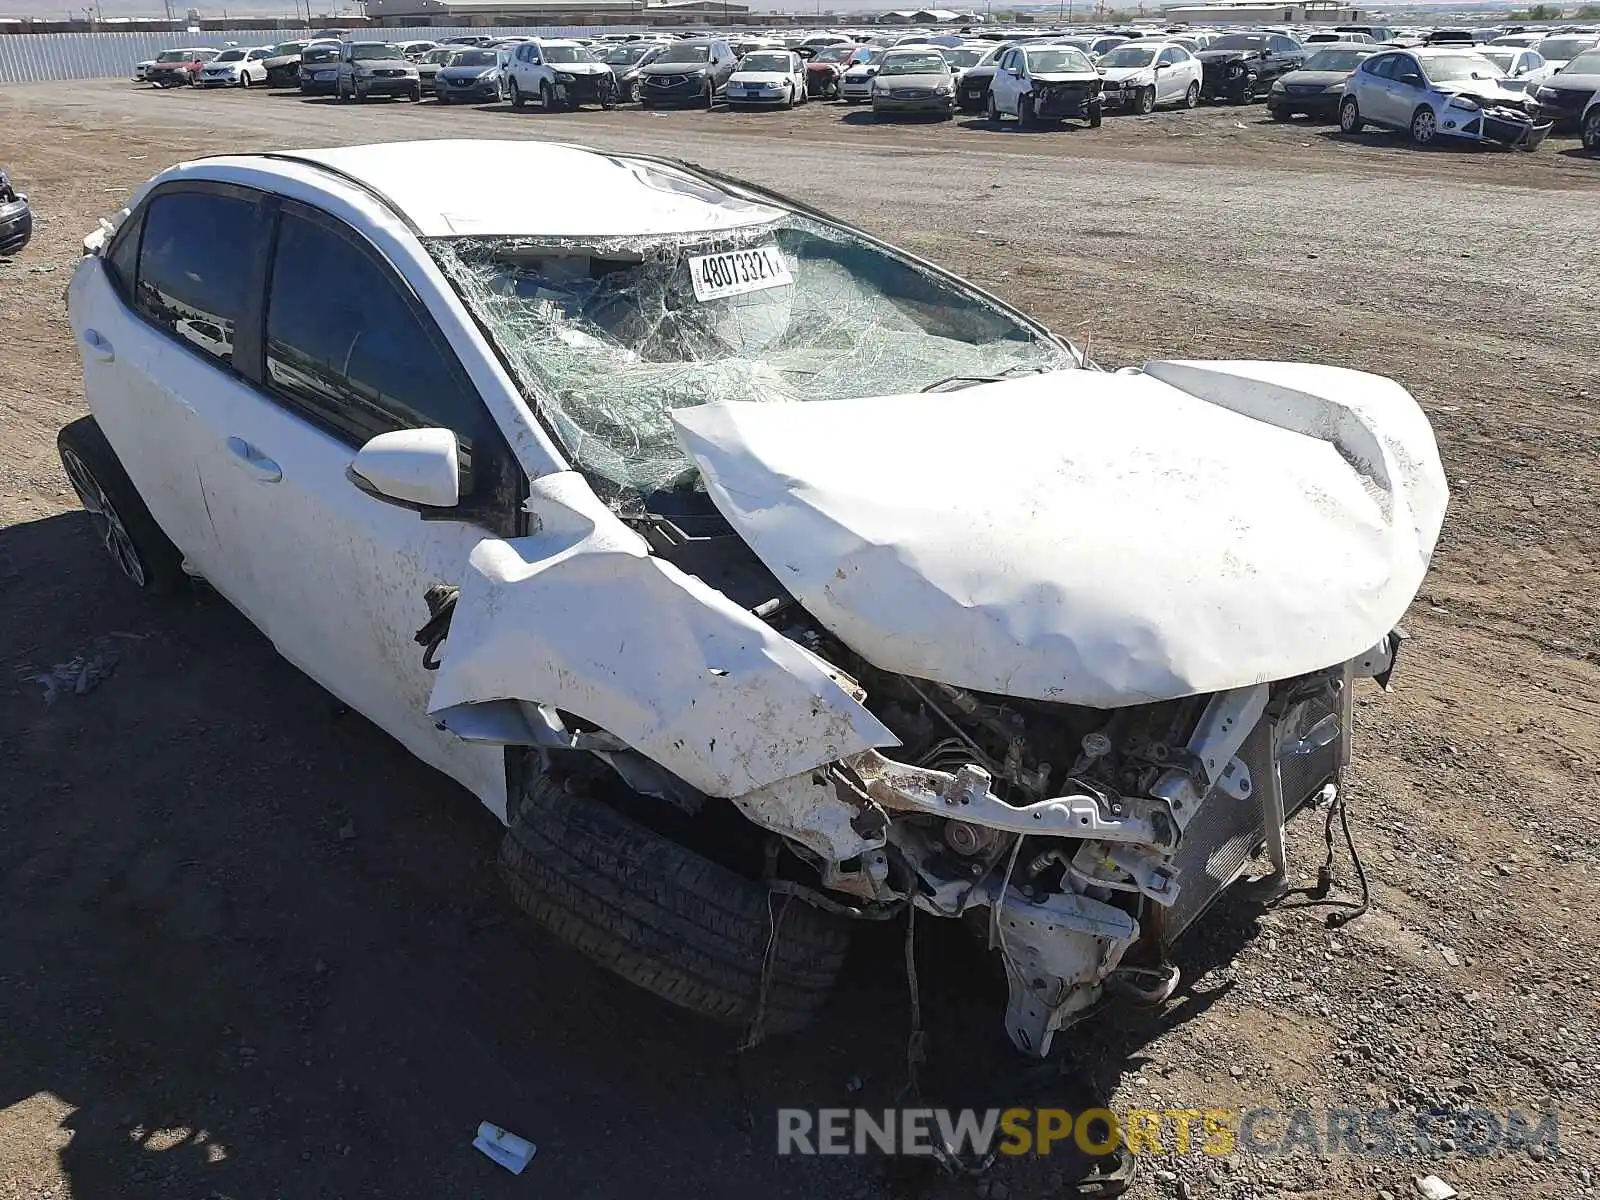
{"x": 113, "y": 535}
{"x": 1423, "y": 127}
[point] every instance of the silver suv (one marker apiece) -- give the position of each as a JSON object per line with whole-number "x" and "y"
{"x": 376, "y": 69}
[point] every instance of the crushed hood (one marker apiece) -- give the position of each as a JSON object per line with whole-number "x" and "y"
{"x": 1091, "y": 538}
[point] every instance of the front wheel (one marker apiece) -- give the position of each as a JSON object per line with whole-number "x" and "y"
{"x": 1191, "y": 98}
{"x": 992, "y": 108}
{"x": 1591, "y": 131}
{"x": 664, "y": 918}
{"x": 547, "y": 97}
{"x": 244, "y": 79}
{"x": 1146, "y": 103}
{"x": 709, "y": 100}
{"x": 415, "y": 94}
{"x": 1279, "y": 114}
{"x": 517, "y": 99}
{"x": 123, "y": 525}
{"x": 1350, "y": 122}
{"x": 1424, "y": 126}
{"x": 1095, "y": 114}
{"x": 1025, "y": 113}
{"x": 1246, "y": 91}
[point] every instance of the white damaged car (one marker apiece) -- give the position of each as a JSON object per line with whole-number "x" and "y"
{"x": 761, "y": 577}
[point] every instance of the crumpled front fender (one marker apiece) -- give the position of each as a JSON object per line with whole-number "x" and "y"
{"x": 579, "y": 616}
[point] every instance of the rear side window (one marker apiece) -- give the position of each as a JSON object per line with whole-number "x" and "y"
{"x": 347, "y": 347}
{"x": 194, "y": 265}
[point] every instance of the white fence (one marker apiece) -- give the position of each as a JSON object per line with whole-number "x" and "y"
{"x": 35, "y": 57}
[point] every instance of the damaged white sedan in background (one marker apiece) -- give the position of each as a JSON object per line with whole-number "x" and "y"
{"x": 772, "y": 577}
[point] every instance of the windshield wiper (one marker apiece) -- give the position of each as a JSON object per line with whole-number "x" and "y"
{"x": 966, "y": 381}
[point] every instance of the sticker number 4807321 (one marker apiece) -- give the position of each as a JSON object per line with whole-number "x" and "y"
{"x": 736, "y": 271}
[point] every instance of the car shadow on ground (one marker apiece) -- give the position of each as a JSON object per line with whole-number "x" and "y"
{"x": 865, "y": 116}
{"x": 252, "y": 947}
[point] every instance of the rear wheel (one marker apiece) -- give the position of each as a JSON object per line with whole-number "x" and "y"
{"x": 665, "y": 918}
{"x": 123, "y": 525}
{"x": 1424, "y": 126}
{"x": 1350, "y": 122}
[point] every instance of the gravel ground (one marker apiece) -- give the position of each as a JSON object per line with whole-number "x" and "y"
{"x": 248, "y": 949}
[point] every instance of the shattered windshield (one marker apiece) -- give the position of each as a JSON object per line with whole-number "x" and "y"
{"x": 608, "y": 339}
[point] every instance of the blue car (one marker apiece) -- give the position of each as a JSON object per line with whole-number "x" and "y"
{"x": 472, "y": 76}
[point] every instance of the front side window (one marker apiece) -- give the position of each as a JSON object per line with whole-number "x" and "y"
{"x": 606, "y": 343}
{"x": 228, "y": 56}
{"x": 346, "y": 346}
{"x": 195, "y": 260}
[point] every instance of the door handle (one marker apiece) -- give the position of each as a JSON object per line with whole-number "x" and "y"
{"x": 99, "y": 349}
{"x": 258, "y": 463}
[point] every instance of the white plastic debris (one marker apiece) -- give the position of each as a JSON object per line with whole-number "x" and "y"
{"x": 510, "y": 1151}
{"x": 1435, "y": 1188}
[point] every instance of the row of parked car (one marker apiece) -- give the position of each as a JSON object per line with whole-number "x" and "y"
{"x": 1513, "y": 89}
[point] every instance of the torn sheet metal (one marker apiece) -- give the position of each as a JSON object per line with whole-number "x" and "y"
{"x": 1089, "y": 538}
{"x": 580, "y": 617}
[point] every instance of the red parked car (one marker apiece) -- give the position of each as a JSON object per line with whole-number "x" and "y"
{"x": 824, "y": 69}
{"x": 177, "y": 68}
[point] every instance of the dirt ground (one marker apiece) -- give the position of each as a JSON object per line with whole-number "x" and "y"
{"x": 248, "y": 948}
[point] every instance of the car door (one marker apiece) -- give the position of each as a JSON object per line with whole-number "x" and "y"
{"x": 1370, "y": 84}
{"x": 723, "y": 62}
{"x": 1004, "y": 85}
{"x": 159, "y": 319}
{"x": 1166, "y": 78}
{"x": 255, "y": 63}
{"x": 1406, "y": 88}
{"x": 333, "y": 575}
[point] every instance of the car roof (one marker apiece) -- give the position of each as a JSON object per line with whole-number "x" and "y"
{"x": 438, "y": 187}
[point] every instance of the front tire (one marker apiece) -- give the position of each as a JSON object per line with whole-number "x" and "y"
{"x": 1350, "y": 122}
{"x": 1025, "y": 114}
{"x": 664, "y": 918}
{"x": 992, "y": 108}
{"x": 1191, "y": 98}
{"x": 1146, "y": 103}
{"x": 517, "y": 100}
{"x": 1424, "y": 126}
{"x": 143, "y": 554}
{"x": 1095, "y": 115}
{"x": 547, "y": 97}
{"x": 244, "y": 79}
{"x": 1591, "y": 131}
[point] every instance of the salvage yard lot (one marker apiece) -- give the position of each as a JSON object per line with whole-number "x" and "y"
{"x": 247, "y": 948}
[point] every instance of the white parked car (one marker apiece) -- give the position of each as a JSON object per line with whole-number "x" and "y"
{"x": 855, "y": 85}
{"x": 1440, "y": 92}
{"x": 1562, "y": 48}
{"x": 1041, "y": 82}
{"x": 767, "y": 78}
{"x": 561, "y": 74}
{"x": 733, "y": 674}
{"x": 235, "y": 68}
{"x": 1142, "y": 75}
{"x": 1523, "y": 69}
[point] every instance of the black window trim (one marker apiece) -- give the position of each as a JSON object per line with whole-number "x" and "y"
{"x": 246, "y": 326}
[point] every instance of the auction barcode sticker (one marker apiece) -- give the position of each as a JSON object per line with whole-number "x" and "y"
{"x": 736, "y": 271}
